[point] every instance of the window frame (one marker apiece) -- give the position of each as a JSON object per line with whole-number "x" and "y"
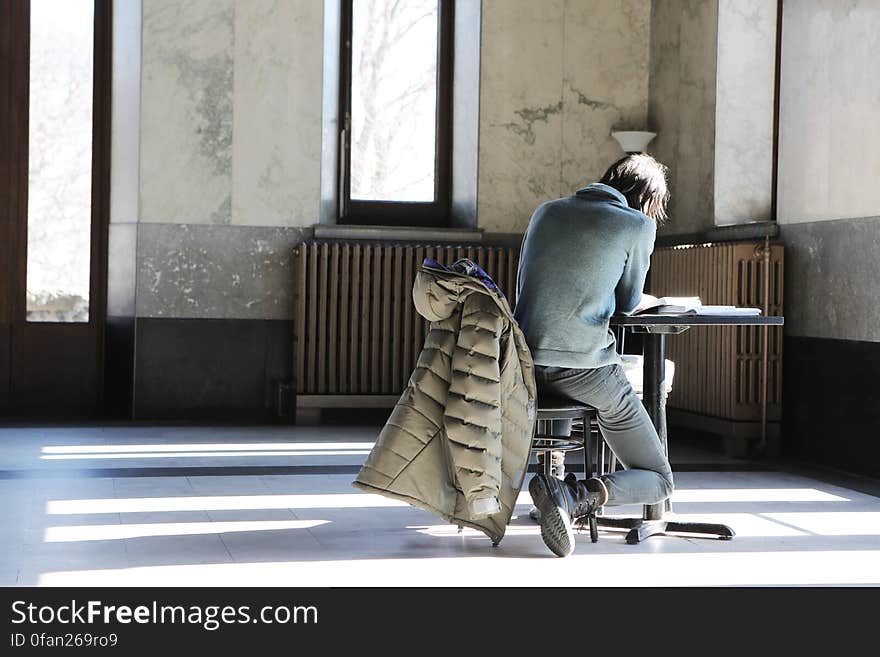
{"x": 399, "y": 213}
{"x": 39, "y": 354}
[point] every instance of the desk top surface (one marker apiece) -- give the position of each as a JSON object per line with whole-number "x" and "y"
{"x": 697, "y": 320}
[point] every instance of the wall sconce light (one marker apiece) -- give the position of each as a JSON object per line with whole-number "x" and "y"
{"x": 633, "y": 141}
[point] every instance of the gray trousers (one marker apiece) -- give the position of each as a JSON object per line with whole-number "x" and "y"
{"x": 625, "y": 426}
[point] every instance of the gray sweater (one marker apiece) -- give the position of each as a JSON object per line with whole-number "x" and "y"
{"x": 583, "y": 259}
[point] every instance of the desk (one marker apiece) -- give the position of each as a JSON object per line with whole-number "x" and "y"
{"x": 656, "y": 328}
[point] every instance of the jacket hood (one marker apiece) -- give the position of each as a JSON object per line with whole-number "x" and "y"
{"x": 437, "y": 292}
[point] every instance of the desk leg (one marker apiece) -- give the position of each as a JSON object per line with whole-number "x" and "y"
{"x": 654, "y": 377}
{"x": 654, "y": 399}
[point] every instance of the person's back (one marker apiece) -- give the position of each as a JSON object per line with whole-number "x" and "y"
{"x": 583, "y": 258}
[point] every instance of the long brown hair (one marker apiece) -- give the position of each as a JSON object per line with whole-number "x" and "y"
{"x": 642, "y": 180}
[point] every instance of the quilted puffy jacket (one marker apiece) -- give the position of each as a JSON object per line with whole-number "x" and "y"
{"x": 457, "y": 441}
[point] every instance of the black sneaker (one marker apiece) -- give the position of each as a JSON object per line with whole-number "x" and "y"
{"x": 557, "y": 469}
{"x": 560, "y": 504}
{"x": 553, "y": 499}
{"x": 587, "y": 495}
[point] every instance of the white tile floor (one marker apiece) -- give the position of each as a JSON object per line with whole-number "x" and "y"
{"x": 71, "y": 528}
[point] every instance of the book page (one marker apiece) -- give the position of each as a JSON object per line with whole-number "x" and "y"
{"x": 647, "y": 301}
{"x": 675, "y": 306}
{"x": 689, "y": 302}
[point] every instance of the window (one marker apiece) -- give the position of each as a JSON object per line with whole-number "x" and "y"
{"x": 395, "y": 110}
{"x": 59, "y": 199}
{"x": 55, "y": 99}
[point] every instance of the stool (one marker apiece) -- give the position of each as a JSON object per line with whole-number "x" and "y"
{"x": 556, "y": 408}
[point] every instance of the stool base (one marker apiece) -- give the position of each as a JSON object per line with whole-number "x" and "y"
{"x": 640, "y": 529}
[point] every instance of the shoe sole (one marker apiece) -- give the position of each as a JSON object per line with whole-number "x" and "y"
{"x": 556, "y": 530}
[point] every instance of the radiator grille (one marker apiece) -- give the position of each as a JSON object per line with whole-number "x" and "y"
{"x": 356, "y": 331}
{"x": 718, "y": 369}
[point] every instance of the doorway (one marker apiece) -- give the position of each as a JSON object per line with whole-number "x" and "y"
{"x": 54, "y": 201}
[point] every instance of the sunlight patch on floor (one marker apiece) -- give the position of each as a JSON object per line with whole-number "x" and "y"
{"x": 203, "y": 447}
{"x": 179, "y": 455}
{"x": 73, "y": 533}
{"x": 755, "y": 495}
{"x": 838, "y": 523}
{"x": 217, "y": 503}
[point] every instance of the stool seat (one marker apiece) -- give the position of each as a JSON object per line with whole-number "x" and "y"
{"x": 559, "y": 408}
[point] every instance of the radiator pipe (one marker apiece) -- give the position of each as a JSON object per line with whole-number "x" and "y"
{"x": 765, "y": 346}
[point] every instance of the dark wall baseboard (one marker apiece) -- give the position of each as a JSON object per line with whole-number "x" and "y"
{"x": 831, "y": 403}
{"x": 210, "y": 369}
{"x": 118, "y": 366}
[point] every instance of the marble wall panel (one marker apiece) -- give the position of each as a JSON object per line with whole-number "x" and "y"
{"x": 829, "y": 157}
{"x": 124, "y": 166}
{"x": 520, "y": 111}
{"x": 682, "y": 107}
{"x": 466, "y": 113}
{"x": 695, "y": 159}
{"x": 605, "y": 83}
{"x": 746, "y": 74}
{"x": 203, "y": 271}
{"x": 276, "y": 142}
{"x": 556, "y": 77}
{"x": 186, "y": 111}
{"x": 829, "y": 147}
{"x": 664, "y": 90}
{"x": 121, "y": 274}
{"x": 831, "y": 274}
{"x": 125, "y": 123}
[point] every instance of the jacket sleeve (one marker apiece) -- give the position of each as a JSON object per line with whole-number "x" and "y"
{"x": 629, "y": 288}
{"x": 473, "y": 407}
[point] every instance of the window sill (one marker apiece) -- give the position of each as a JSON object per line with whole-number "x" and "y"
{"x": 397, "y": 233}
{"x": 728, "y": 233}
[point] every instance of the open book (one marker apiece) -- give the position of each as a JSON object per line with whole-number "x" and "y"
{"x": 651, "y": 305}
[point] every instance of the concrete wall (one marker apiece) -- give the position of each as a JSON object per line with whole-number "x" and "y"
{"x": 124, "y": 209}
{"x": 744, "y": 97}
{"x": 829, "y": 147}
{"x": 231, "y": 116}
{"x": 829, "y": 161}
{"x": 682, "y": 107}
{"x": 832, "y": 279}
{"x": 124, "y": 159}
{"x": 215, "y": 174}
{"x": 230, "y": 133}
{"x": 555, "y": 78}
{"x": 829, "y": 217}
{"x": 711, "y": 103}
{"x": 220, "y": 171}
{"x": 217, "y": 140}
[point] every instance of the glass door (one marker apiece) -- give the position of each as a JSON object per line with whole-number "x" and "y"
{"x": 55, "y": 75}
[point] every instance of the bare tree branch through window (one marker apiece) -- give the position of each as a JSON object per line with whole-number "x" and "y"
{"x": 394, "y": 100}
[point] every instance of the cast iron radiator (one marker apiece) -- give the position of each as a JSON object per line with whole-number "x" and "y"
{"x": 357, "y": 335}
{"x": 718, "y": 370}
